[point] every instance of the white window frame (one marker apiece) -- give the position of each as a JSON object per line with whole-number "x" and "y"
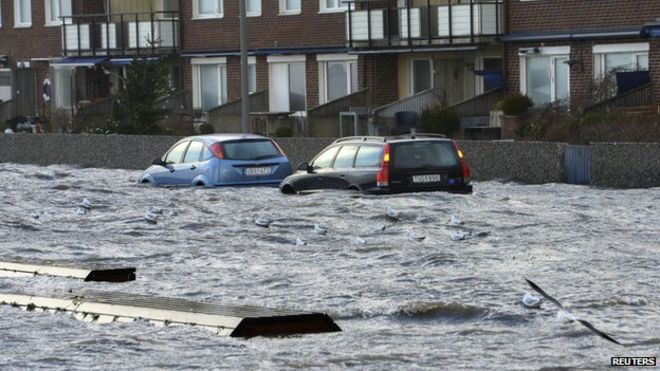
{"x": 196, "y": 72}
{"x": 285, "y": 11}
{"x": 17, "y": 15}
{"x": 253, "y": 13}
{"x": 339, "y": 7}
{"x": 411, "y": 74}
{"x": 219, "y": 11}
{"x": 58, "y": 22}
{"x": 283, "y": 59}
{"x": 554, "y": 52}
{"x": 323, "y": 60}
{"x": 636, "y": 50}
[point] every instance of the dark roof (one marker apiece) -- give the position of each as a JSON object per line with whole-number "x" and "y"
{"x": 574, "y": 34}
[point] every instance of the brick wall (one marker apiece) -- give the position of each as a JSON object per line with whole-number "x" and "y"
{"x": 379, "y": 73}
{"x": 547, "y": 15}
{"x": 37, "y": 41}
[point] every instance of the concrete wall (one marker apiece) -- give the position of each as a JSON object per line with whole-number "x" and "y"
{"x": 613, "y": 164}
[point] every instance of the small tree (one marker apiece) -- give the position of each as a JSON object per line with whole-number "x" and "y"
{"x": 134, "y": 108}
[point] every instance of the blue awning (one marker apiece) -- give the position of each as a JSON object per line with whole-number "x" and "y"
{"x": 652, "y": 31}
{"x": 493, "y": 78}
{"x": 79, "y": 61}
{"x": 127, "y": 61}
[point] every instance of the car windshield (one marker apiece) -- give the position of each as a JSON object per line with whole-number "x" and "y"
{"x": 424, "y": 155}
{"x": 250, "y": 150}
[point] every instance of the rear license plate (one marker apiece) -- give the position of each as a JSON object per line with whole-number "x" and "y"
{"x": 257, "y": 171}
{"x": 428, "y": 178}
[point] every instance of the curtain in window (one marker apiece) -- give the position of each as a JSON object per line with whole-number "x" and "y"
{"x": 337, "y": 80}
{"x": 209, "y": 85}
{"x": 297, "y": 86}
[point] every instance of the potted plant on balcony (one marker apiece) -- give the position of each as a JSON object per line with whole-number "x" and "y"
{"x": 513, "y": 107}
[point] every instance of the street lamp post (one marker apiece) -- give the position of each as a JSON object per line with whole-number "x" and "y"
{"x": 245, "y": 95}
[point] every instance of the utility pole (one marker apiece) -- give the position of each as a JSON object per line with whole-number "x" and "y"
{"x": 245, "y": 95}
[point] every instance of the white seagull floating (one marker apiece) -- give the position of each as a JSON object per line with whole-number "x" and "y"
{"x": 454, "y": 220}
{"x": 565, "y": 315}
{"x": 360, "y": 241}
{"x": 531, "y": 301}
{"x": 320, "y": 230}
{"x": 87, "y": 204}
{"x": 262, "y": 221}
{"x": 412, "y": 236}
{"x": 300, "y": 242}
{"x": 151, "y": 218}
{"x": 155, "y": 210}
{"x": 458, "y": 235}
{"x": 392, "y": 213}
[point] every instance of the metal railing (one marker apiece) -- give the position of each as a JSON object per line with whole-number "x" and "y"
{"x": 178, "y": 102}
{"x": 345, "y": 103}
{"x": 638, "y": 97}
{"x": 7, "y": 110}
{"x": 258, "y": 103}
{"x": 120, "y": 34}
{"x": 377, "y": 23}
{"x": 414, "y": 103}
{"x": 481, "y": 105}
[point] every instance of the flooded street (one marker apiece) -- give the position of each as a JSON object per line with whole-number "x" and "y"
{"x": 401, "y": 303}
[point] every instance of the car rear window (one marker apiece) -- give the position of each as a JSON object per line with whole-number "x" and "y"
{"x": 250, "y": 150}
{"x": 423, "y": 155}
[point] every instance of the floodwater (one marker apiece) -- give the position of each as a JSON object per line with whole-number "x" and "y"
{"x": 402, "y": 304}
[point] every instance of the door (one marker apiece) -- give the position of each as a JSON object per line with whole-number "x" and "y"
{"x": 25, "y": 92}
{"x": 577, "y": 161}
{"x": 322, "y": 167}
{"x": 5, "y": 84}
{"x": 449, "y": 79}
{"x": 342, "y": 168}
{"x": 170, "y": 174}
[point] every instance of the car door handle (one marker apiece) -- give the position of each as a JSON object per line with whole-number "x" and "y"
{"x": 343, "y": 175}
{"x": 193, "y": 167}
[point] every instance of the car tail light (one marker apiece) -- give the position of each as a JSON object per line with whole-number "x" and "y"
{"x": 383, "y": 176}
{"x": 216, "y": 148}
{"x": 464, "y": 165}
{"x": 279, "y": 148}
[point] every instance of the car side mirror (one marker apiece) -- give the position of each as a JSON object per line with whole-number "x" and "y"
{"x": 158, "y": 161}
{"x": 303, "y": 166}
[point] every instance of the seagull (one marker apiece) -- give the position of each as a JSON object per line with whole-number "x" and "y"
{"x": 34, "y": 215}
{"x": 155, "y": 210}
{"x": 300, "y": 242}
{"x": 454, "y": 220}
{"x": 360, "y": 241}
{"x": 531, "y": 301}
{"x": 412, "y": 236}
{"x": 392, "y": 213}
{"x": 458, "y": 235}
{"x": 151, "y": 217}
{"x": 320, "y": 230}
{"x": 81, "y": 211}
{"x": 86, "y": 204}
{"x": 262, "y": 221}
{"x": 565, "y": 315}
{"x": 380, "y": 228}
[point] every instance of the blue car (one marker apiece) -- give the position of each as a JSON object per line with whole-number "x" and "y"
{"x": 220, "y": 160}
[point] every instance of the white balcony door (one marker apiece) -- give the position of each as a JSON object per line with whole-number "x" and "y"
{"x": 547, "y": 79}
{"x": 287, "y": 85}
{"x": 209, "y": 83}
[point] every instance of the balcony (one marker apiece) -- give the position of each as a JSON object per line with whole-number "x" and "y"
{"x": 120, "y": 34}
{"x": 423, "y": 23}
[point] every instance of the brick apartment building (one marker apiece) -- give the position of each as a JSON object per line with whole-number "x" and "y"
{"x": 556, "y": 49}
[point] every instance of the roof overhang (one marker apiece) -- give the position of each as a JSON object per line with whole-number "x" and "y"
{"x": 568, "y": 35}
{"x": 79, "y": 61}
{"x": 421, "y": 49}
{"x": 265, "y": 51}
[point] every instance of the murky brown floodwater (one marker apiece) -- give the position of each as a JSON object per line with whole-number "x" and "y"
{"x": 402, "y": 304}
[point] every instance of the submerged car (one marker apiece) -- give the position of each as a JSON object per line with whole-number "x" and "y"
{"x": 407, "y": 163}
{"x": 220, "y": 160}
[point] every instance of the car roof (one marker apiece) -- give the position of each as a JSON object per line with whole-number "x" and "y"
{"x": 392, "y": 139}
{"x": 225, "y": 137}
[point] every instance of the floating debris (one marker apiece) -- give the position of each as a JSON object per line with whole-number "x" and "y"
{"x": 320, "y": 230}
{"x": 151, "y": 218}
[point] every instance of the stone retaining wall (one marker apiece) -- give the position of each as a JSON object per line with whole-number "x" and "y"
{"x": 613, "y": 164}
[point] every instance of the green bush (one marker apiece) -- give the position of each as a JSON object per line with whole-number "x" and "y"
{"x": 440, "y": 120}
{"x": 515, "y": 104}
{"x": 283, "y": 132}
{"x": 206, "y": 128}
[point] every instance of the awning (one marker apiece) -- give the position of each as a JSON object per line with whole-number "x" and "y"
{"x": 578, "y": 34}
{"x": 494, "y": 78}
{"x": 79, "y": 61}
{"x": 127, "y": 61}
{"x": 652, "y": 29}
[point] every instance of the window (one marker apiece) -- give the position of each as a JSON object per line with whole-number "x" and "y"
{"x": 330, "y": 6}
{"x": 491, "y": 66}
{"x": 345, "y": 157}
{"x": 56, "y": 9}
{"x": 422, "y": 75}
{"x": 338, "y": 76}
{"x": 290, "y": 7}
{"x": 206, "y": 154}
{"x": 63, "y": 87}
{"x": 22, "y": 13}
{"x": 176, "y": 154}
{"x": 252, "y": 74}
{"x": 368, "y": 156}
{"x": 209, "y": 82}
{"x": 194, "y": 152}
{"x": 253, "y": 8}
{"x": 208, "y": 8}
{"x": 545, "y": 75}
{"x": 250, "y": 150}
{"x": 287, "y": 83}
{"x": 620, "y": 57}
{"x": 325, "y": 159}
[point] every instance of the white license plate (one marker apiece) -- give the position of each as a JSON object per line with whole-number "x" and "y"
{"x": 428, "y": 178}
{"x": 257, "y": 171}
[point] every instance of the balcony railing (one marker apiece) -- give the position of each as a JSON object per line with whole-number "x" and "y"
{"x": 120, "y": 34}
{"x": 376, "y": 24}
